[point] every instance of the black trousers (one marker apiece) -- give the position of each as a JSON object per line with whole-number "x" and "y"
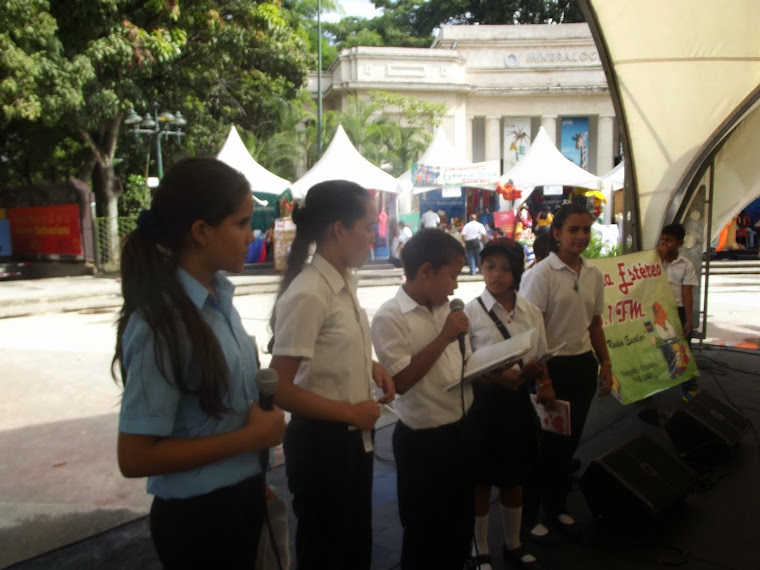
{"x": 575, "y": 379}
{"x": 436, "y": 495}
{"x": 330, "y": 476}
{"x": 220, "y": 529}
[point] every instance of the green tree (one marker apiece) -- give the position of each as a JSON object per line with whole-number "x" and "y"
{"x": 219, "y": 61}
{"x": 423, "y": 17}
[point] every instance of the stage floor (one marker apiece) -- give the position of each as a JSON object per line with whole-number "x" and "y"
{"x": 711, "y": 529}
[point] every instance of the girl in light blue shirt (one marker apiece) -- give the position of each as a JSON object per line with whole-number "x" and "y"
{"x": 188, "y": 420}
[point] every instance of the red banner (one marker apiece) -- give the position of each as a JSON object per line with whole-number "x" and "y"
{"x": 46, "y": 230}
{"x": 506, "y": 221}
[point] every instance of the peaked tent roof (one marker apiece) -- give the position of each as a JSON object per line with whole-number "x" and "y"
{"x": 237, "y": 156}
{"x": 685, "y": 80}
{"x": 440, "y": 153}
{"x": 544, "y": 165}
{"x": 615, "y": 178}
{"x": 341, "y": 160}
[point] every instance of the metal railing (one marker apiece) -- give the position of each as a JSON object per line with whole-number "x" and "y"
{"x": 108, "y": 240}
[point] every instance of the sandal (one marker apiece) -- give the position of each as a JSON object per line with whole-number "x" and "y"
{"x": 514, "y": 558}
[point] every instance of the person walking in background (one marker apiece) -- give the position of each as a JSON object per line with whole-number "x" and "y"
{"x": 189, "y": 419}
{"x": 544, "y": 221}
{"x": 474, "y": 234}
{"x": 430, "y": 219}
{"x": 322, "y": 353}
{"x": 569, "y": 292}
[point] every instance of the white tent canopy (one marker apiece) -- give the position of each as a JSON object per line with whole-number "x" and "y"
{"x": 261, "y": 180}
{"x": 544, "y": 165}
{"x": 440, "y": 152}
{"x": 685, "y": 76}
{"x": 342, "y": 161}
{"x": 614, "y": 179}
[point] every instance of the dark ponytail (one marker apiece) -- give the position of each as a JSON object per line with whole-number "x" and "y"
{"x": 193, "y": 189}
{"x": 560, "y": 217}
{"x": 325, "y": 203}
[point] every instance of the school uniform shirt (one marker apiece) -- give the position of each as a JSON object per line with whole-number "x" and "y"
{"x": 401, "y": 328}
{"x": 680, "y": 272}
{"x": 151, "y": 405}
{"x": 551, "y": 286}
{"x": 319, "y": 319}
{"x": 526, "y": 316}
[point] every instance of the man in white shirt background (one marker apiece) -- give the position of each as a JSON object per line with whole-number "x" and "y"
{"x": 474, "y": 234}
{"x": 430, "y": 219}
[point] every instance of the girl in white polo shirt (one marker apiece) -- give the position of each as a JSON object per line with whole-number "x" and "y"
{"x": 322, "y": 353}
{"x": 569, "y": 292}
{"x": 505, "y": 430}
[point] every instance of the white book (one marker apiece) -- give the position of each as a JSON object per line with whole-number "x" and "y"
{"x": 503, "y": 354}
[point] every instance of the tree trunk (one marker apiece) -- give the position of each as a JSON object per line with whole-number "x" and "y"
{"x": 107, "y": 208}
{"x": 105, "y": 188}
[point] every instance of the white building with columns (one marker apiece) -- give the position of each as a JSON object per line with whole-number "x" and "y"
{"x": 490, "y": 77}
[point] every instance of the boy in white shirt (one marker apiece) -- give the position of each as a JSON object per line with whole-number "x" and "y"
{"x": 682, "y": 278}
{"x": 415, "y": 336}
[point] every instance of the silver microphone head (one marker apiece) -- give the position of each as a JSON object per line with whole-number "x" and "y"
{"x": 266, "y": 380}
{"x": 456, "y": 305}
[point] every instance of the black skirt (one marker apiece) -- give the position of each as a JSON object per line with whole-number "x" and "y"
{"x": 504, "y": 435}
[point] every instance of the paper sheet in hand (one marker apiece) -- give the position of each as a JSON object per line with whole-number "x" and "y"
{"x": 503, "y": 354}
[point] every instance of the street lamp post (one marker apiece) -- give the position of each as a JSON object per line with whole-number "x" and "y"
{"x": 160, "y": 125}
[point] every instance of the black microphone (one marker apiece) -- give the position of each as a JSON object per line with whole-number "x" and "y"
{"x": 266, "y": 380}
{"x": 458, "y": 305}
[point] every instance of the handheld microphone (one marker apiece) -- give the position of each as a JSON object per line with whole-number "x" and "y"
{"x": 458, "y": 305}
{"x": 266, "y": 380}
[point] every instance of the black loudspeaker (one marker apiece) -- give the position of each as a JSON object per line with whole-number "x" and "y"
{"x": 637, "y": 481}
{"x": 704, "y": 429}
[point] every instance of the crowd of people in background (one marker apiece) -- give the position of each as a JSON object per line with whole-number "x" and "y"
{"x": 194, "y": 420}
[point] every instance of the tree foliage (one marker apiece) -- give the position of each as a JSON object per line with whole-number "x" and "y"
{"x": 411, "y": 23}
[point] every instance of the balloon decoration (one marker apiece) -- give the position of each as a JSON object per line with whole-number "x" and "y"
{"x": 508, "y": 191}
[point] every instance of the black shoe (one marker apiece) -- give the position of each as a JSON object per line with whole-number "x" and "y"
{"x": 513, "y": 558}
{"x": 548, "y": 539}
{"x": 569, "y": 530}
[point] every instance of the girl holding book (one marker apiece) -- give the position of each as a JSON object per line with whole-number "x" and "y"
{"x": 502, "y": 415}
{"x": 570, "y": 293}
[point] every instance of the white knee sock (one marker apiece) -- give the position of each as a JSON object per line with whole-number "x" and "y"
{"x": 512, "y": 520}
{"x": 512, "y": 517}
{"x": 480, "y": 544}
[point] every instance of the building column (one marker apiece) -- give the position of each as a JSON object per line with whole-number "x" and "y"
{"x": 549, "y": 123}
{"x": 605, "y": 152}
{"x": 468, "y": 140}
{"x": 493, "y": 137}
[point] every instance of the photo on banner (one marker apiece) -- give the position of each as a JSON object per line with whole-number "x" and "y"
{"x": 575, "y": 143}
{"x": 517, "y": 139}
{"x": 645, "y": 340}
